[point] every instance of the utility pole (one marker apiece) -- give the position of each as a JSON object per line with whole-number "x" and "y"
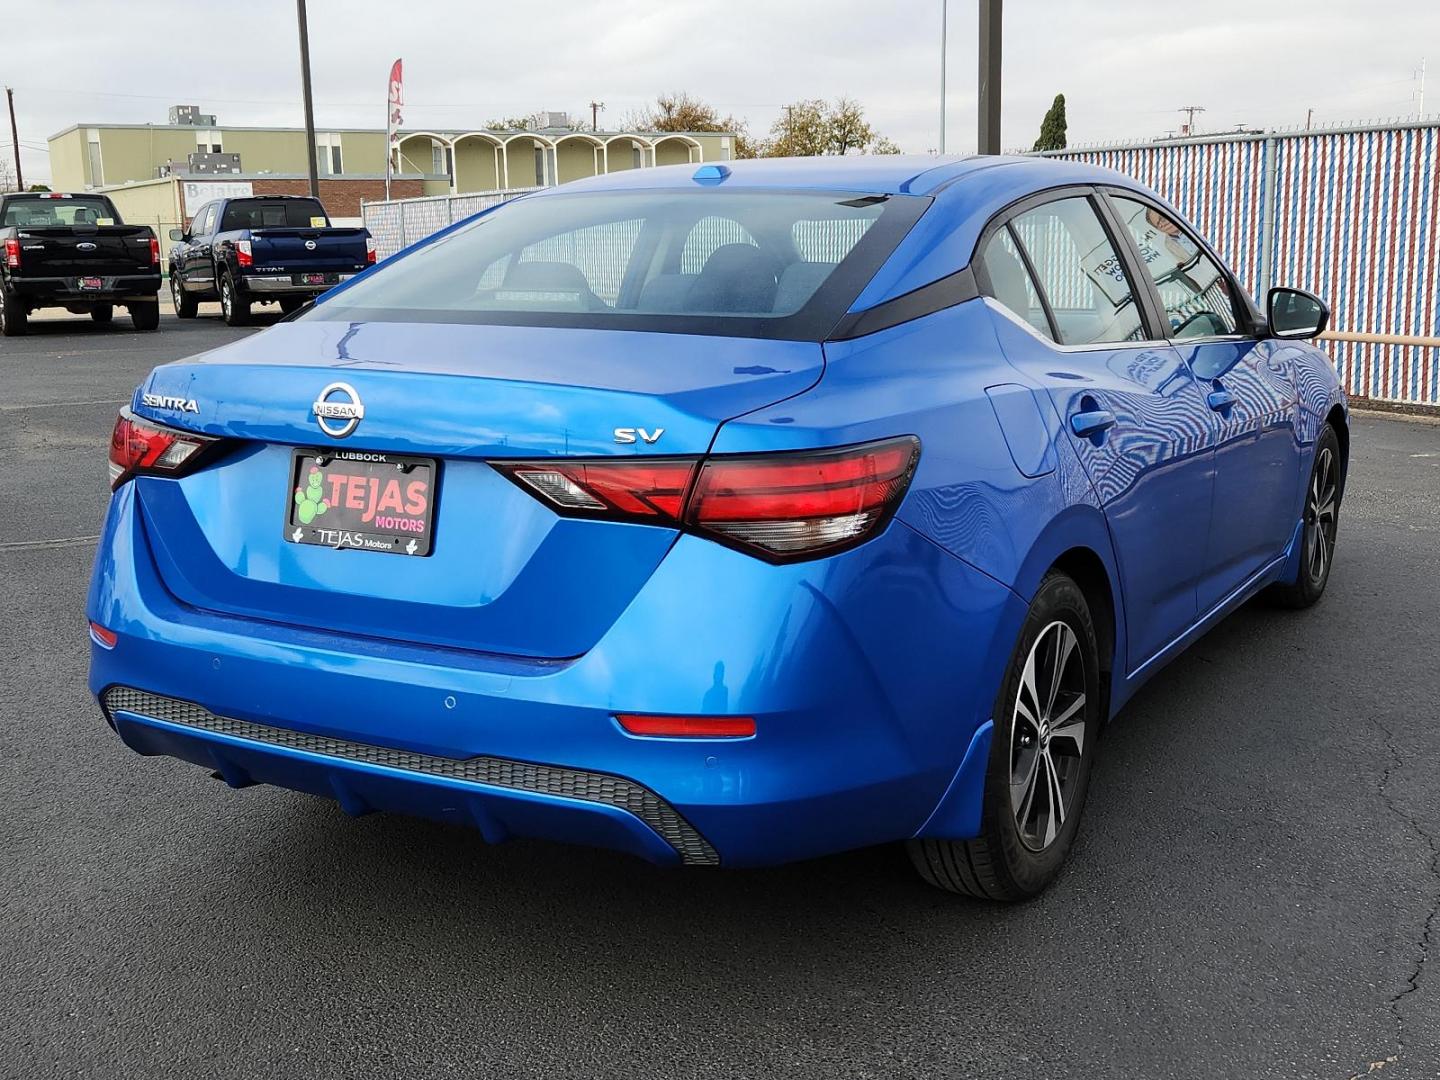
{"x": 1190, "y": 111}
{"x": 309, "y": 103}
{"x": 595, "y": 107}
{"x": 944, "y": 18}
{"x": 990, "y": 21}
{"x": 1420, "y": 91}
{"x": 15, "y": 139}
{"x": 1309, "y": 115}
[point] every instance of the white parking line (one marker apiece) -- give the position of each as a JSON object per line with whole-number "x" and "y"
{"x": 64, "y": 541}
{"x": 60, "y": 404}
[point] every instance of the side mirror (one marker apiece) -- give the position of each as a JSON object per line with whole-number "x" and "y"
{"x": 177, "y": 235}
{"x": 1296, "y": 314}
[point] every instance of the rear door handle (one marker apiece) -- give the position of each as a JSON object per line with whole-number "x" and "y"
{"x": 1090, "y": 424}
{"x": 1220, "y": 400}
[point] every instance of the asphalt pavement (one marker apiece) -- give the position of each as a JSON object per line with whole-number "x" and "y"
{"x": 1253, "y": 893}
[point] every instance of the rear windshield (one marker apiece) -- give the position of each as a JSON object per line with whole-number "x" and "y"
{"x": 273, "y": 214}
{"x": 748, "y": 263}
{"x": 38, "y": 210}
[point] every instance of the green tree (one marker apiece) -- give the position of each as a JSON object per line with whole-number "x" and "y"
{"x": 39, "y": 187}
{"x": 1052, "y": 128}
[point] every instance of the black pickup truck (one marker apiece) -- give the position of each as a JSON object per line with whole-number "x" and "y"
{"x": 73, "y": 251}
{"x": 262, "y": 249}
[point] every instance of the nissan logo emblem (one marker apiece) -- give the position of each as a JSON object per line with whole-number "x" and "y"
{"x": 338, "y": 401}
{"x": 309, "y": 245}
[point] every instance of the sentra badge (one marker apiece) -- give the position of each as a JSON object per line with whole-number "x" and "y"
{"x": 169, "y": 403}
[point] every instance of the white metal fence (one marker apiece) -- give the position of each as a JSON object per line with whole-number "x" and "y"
{"x": 401, "y": 222}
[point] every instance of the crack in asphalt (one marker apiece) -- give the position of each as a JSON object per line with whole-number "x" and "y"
{"x": 1412, "y": 981}
{"x": 62, "y": 541}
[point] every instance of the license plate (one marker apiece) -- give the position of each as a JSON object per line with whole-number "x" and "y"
{"x": 314, "y": 279}
{"x": 92, "y": 283}
{"x": 361, "y": 501}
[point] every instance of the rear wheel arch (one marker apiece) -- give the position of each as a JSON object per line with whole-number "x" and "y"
{"x": 1337, "y": 419}
{"x": 1085, "y": 567}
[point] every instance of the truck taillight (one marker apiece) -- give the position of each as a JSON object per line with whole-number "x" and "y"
{"x": 143, "y": 446}
{"x": 12, "y": 253}
{"x": 370, "y": 250}
{"x": 243, "y": 255}
{"x": 154, "y": 252}
{"x": 782, "y": 507}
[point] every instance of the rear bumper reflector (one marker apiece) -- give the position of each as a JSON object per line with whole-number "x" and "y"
{"x": 604, "y": 788}
{"x": 688, "y": 727}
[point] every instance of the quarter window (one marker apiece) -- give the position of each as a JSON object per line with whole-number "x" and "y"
{"x": 1080, "y": 273}
{"x": 1194, "y": 290}
{"x": 1010, "y": 283}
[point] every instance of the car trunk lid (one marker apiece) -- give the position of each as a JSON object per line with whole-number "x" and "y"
{"x": 502, "y": 565}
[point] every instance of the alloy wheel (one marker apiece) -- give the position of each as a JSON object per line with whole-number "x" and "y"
{"x": 1320, "y": 516}
{"x": 226, "y": 300}
{"x": 1047, "y": 736}
{"x": 175, "y": 294}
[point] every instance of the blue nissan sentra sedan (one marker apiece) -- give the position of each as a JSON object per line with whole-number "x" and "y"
{"x": 723, "y": 515}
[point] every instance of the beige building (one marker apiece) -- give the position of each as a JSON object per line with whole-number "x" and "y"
{"x": 88, "y": 156}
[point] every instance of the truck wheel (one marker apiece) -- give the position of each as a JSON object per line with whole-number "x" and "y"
{"x": 146, "y": 316}
{"x": 233, "y": 307}
{"x": 186, "y": 307}
{"x": 14, "y": 320}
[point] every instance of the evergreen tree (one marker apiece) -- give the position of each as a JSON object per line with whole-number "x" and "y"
{"x": 1052, "y": 128}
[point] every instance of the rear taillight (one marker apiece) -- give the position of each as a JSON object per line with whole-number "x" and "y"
{"x": 12, "y": 253}
{"x": 243, "y": 255}
{"x": 143, "y": 446}
{"x": 782, "y": 507}
{"x": 154, "y": 252}
{"x": 370, "y": 250}
{"x": 802, "y": 505}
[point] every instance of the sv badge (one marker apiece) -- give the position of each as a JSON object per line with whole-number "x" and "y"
{"x": 630, "y": 434}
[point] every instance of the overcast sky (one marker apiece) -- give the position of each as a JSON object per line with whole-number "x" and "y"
{"x": 1125, "y": 66}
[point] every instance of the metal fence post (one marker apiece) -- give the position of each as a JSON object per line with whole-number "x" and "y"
{"x": 1268, "y": 224}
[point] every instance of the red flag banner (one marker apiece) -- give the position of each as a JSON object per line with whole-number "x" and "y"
{"x": 397, "y": 100}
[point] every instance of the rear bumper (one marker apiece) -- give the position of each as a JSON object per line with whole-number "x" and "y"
{"x": 59, "y": 291}
{"x": 286, "y": 284}
{"x": 868, "y": 676}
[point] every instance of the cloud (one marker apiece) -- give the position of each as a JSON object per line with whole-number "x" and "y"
{"x": 1125, "y": 66}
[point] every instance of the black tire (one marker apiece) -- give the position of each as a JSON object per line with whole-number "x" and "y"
{"x": 186, "y": 307}
{"x": 14, "y": 320}
{"x": 1019, "y": 851}
{"x": 103, "y": 313}
{"x": 1320, "y": 525}
{"x": 146, "y": 316}
{"x": 234, "y": 308}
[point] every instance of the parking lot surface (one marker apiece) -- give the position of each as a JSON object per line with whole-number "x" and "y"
{"x": 1253, "y": 893}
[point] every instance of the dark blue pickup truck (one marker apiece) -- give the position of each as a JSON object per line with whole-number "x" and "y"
{"x": 264, "y": 249}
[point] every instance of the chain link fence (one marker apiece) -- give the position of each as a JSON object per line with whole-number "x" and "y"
{"x": 401, "y": 222}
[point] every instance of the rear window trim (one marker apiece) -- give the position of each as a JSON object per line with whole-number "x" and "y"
{"x": 813, "y": 322}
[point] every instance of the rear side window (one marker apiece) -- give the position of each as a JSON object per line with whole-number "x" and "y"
{"x": 39, "y": 211}
{"x": 1195, "y": 291}
{"x": 273, "y": 214}
{"x": 743, "y": 263}
{"x": 1080, "y": 272}
{"x": 1010, "y": 283}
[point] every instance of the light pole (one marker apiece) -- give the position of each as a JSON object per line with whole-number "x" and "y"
{"x": 944, "y": 19}
{"x": 309, "y": 104}
{"x": 990, "y": 19}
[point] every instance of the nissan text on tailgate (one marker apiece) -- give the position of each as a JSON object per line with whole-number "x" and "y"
{"x": 265, "y": 249}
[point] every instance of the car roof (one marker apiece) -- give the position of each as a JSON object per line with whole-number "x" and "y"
{"x": 881, "y": 174}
